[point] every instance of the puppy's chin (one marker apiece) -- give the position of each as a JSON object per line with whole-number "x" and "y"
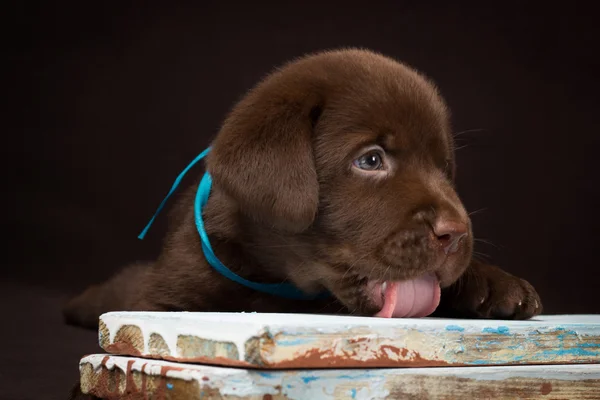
{"x": 404, "y": 281}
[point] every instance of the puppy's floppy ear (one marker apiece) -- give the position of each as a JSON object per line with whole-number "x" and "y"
{"x": 263, "y": 158}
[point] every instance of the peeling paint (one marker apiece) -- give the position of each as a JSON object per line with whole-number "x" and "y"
{"x": 318, "y": 341}
{"x": 113, "y": 377}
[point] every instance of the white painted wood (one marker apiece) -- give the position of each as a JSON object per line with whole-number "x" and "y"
{"x": 321, "y": 341}
{"x": 116, "y": 377}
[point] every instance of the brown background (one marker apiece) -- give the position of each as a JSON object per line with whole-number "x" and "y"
{"x": 107, "y": 105}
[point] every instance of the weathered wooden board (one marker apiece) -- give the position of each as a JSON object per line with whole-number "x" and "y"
{"x": 119, "y": 377}
{"x": 318, "y": 341}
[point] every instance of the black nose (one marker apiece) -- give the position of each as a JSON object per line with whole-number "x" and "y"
{"x": 449, "y": 234}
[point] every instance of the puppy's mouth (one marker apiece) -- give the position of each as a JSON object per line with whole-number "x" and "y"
{"x": 416, "y": 298}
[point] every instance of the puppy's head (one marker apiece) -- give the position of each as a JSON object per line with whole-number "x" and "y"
{"x": 349, "y": 156}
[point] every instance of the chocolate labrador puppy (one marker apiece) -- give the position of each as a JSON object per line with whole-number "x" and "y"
{"x": 333, "y": 176}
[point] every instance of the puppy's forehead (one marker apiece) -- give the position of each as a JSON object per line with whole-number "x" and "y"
{"x": 394, "y": 107}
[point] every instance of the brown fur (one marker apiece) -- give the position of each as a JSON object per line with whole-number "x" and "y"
{"x": 287, "y": 205}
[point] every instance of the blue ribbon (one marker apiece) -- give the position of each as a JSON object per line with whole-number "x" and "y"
{"x": 200, "y": 156}
{"x": 283, "y": 289}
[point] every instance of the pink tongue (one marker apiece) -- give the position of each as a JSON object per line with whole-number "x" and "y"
{"x": 415, "y": 298}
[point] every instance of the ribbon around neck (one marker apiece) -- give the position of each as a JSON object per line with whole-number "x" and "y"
{"x": 283, "y": 289}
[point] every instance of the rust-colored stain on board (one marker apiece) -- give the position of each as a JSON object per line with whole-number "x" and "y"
{"x": 381, "y": 359}
{"x": 359, "y": 347}
{"x": 123, "y": 348}
{"x": 259, "y": 352}
{"x": 112, "y": 384}
{"x": 546, "y": 388}
{"x": 218, "y": 361}
{"x": 128, "y": 340}
{"x": 117, "y": 383}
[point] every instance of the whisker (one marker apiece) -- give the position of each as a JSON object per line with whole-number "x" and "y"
{"x": 477, "y": 211}
{"x": 434, "y": 211}
{"x": 354, "y": 264}
{"x": 457, "y": 134}
{"x": 483, "y": 255}
{"x": 387, "y": 271}
{"x": 371, "y": 273}
{"x": 486, "y": 242}
{"x": 459, "y": 285}
{"x": 327, "y": 305}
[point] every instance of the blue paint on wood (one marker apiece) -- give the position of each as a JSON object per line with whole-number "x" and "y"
{"x": 353, "y": 393}
{"x": 479, "y": 362}
{"x": 597, "y": 345}
{"x": 501, "y": 330}
{"x": 294, "y": 342}
{"x": 311, "y": 378}
{"x": 169, "y": 386}
{"x": 460, "y": 349}
{"x": 454, "y": 328}
{"x": 568, "y": 352}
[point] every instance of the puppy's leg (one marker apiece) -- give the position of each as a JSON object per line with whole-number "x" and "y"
{"x": 486, "y": 291}
{"x": 119, "y": 293}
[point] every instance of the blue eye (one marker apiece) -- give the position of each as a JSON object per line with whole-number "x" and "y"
{"x": 371, "y": 161}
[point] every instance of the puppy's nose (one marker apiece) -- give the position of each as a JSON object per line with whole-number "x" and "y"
{"x": 449, "y": 234}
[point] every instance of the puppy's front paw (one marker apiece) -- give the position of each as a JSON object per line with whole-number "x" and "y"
{"x": 486, "y": 291}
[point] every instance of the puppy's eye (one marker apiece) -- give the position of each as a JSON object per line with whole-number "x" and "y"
{"x": 372, "y": 161}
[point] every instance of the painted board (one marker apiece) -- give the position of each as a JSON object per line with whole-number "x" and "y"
{"x": 319, "y": 341}
{"x": 117, "y": 377}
